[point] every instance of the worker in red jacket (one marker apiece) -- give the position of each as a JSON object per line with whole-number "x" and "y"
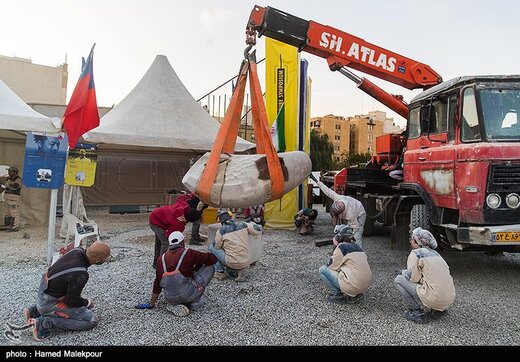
{"x": 167, "y": 219}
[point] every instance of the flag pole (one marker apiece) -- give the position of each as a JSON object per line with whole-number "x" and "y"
{"x": 52, "y": 226}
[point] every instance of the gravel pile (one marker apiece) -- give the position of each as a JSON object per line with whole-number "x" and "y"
{"x": 282, "y": 303}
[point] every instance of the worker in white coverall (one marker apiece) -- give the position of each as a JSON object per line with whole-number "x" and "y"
{"x": 345, "y": 210}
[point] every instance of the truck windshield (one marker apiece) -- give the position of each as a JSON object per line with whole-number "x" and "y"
{"x": 501, "y": 113}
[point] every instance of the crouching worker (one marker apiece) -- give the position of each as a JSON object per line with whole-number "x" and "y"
{"x": 304, "y": 220}
{"x": 426, "y": 285}
{"x": 183, "y": 274}
{"x": 347, "y": 273}
{"x": 345, "y": 210}
{"x": 59, "y": 305}
{"x": 231, "y": 246}
{"x": 255, "y": 214}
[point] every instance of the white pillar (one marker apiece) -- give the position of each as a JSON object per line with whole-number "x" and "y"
{"x": 52, "y": 226}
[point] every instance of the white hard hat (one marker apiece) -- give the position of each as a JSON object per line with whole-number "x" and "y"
{"x": 175, "y": 237}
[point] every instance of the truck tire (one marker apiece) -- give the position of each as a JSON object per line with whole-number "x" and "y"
{"x": 419, "y": 218}
{"x": 369, "y": 228}
{"x": 370, "y": 209}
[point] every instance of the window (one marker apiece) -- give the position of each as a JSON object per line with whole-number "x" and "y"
{"x": 452, "y": 115}
{"x": 414, "y": 126}
{"x": 470, "y": 128}
{"x": 500, "y": 108}
{"x": 434, "y": 117}
{"x": 338, "y": 126}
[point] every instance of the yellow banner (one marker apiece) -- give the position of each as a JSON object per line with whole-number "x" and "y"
{"x": 81, "y": 165}
{"x": 282, "y": 88}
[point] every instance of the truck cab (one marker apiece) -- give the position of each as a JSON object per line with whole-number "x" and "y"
{"x": 462, "y": 159}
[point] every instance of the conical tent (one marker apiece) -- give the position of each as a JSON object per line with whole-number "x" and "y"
{"x": 16, "y": 115}
{"x": 160, "y": 113}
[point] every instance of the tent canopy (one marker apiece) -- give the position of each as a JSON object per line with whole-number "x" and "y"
{"x": 16, "y": 115}
{"x": 160, "y": 113}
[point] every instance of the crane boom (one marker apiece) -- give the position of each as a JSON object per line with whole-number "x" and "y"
{"x": 341, "y": 50}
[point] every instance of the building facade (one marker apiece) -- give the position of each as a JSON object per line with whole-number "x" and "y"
{"x": 35, "y": 83}
{"x": 337, "y": 128}
{"x": 388, "y": 123}
{"x": 363, "y": 132}
{"x": 354, "y": 135}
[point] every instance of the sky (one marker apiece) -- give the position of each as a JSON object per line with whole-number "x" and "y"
{"x": 204, "y": 41}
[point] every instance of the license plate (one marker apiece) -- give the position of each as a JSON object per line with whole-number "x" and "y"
{"x": 506, "y": 237}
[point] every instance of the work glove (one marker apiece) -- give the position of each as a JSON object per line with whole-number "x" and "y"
{"x": 144, "y": 306}
{"x": 313, "y": 178}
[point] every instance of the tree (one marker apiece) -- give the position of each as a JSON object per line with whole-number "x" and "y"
{"x": 354, "y": 159}
{"x": 321, "y": 152}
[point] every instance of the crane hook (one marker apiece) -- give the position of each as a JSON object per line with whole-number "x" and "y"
{"x": 247, "y": 50}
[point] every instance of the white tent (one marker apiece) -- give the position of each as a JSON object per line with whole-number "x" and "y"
{"x": 160, "y": 113}
{"x": 16, "y": 115}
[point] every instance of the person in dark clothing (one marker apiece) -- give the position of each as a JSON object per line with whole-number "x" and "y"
{"x": 195, "y": 203}
{"x": 304, "y": 220}
{"x": 169, "y": 218}
{"x": 184, "y": 275}
{"x": 255, "y": 214}
{"x": 11, "y": 188}
{"x": 59, "y": 305}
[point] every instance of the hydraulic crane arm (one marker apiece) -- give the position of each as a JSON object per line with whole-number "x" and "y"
{"x": 342, "y": 50}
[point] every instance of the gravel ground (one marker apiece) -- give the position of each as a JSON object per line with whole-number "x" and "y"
{"x": 282, "y": 303}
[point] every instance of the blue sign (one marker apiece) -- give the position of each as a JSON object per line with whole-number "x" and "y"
{"x": 44, "y": 164}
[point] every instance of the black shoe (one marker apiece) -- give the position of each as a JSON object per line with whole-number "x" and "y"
{"x": 354, "y": 300}
{"x": 415, "y": 315}
{"x": 31, "y": 312}
{"x": 195, "y": 242}
{"x": 39, "y": 332}
{"x": 337, "y": 298}
{"x": 436, "y": 314}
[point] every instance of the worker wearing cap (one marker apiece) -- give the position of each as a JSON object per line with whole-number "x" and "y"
{"x": 12, "y": 188}
{"x": 169, "y": 218}
{"x": 426, "y": 284}
{"x": 345, "y": 210}
{"x": 347, "y": 273}
{"x": 231, "y": 246}
{"x": 183, "y": 274}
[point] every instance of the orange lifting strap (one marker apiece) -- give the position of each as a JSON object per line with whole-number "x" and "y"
{"x": 228, "y": 132}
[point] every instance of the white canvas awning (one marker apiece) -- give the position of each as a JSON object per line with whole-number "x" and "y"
{"x": 160, "y": 113}
{"x": 16, "y": 115}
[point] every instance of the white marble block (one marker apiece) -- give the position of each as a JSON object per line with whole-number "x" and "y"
{"x": 242, "y": 180}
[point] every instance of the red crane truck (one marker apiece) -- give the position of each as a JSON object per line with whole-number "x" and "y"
{"x": 459, "y": 157}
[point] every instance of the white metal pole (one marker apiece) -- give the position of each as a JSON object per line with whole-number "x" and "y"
{"x": 52, "y": 226}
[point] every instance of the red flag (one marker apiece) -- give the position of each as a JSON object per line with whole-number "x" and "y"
{"x": 82, "y": 114}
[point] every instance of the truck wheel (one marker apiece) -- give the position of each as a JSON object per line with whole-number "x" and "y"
{"x": 419, "y": 218}
{"x": 369, "y": 228}
{"x": 370, "y": 209}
